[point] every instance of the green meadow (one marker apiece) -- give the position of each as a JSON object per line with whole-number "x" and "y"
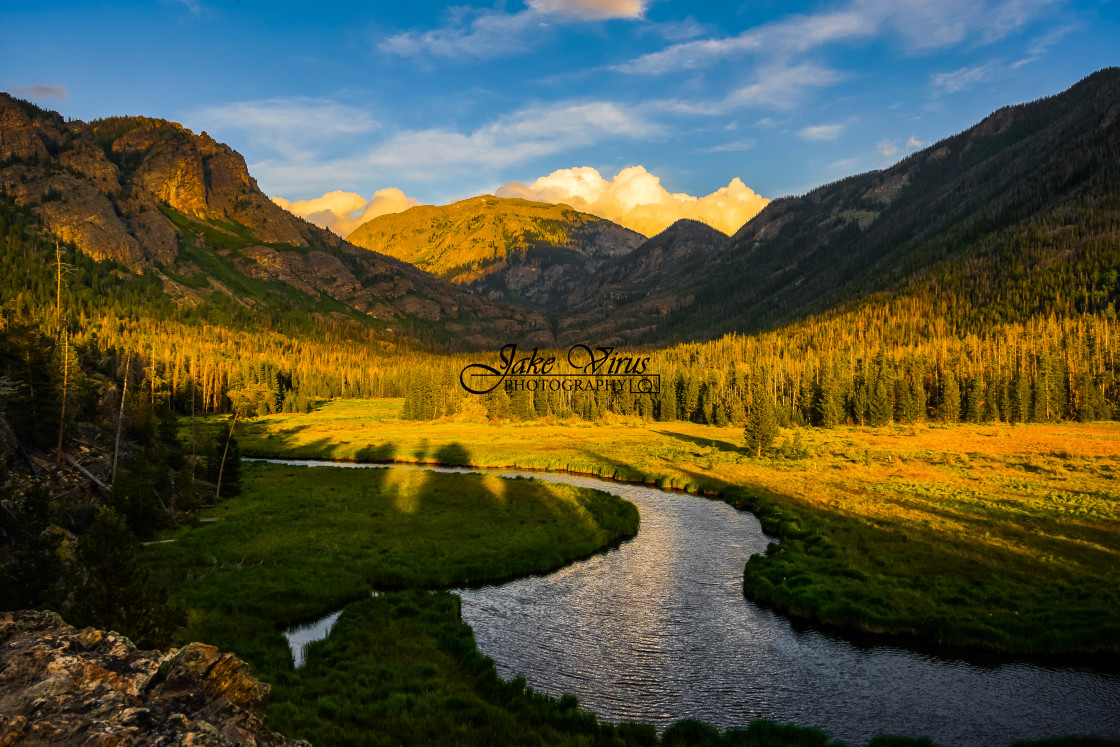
{"x": 992, "y": 537}
{"x": 972, "y": 536}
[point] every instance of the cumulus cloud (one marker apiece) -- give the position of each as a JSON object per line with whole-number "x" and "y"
{"x": 40, "y": 91}
{"x": 635, "y": 198}
{"x": 914, "y": 142}
{"x": 342, "y": 212}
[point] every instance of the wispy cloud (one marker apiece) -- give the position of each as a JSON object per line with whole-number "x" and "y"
{"x": 732, "y": 147}
{"x": 38, "y": 91}
{"x": 481, "y": 34}
{"x": 775, "y": 87}
{"x": 890, "y": 147}
{"x": 487, "y": 34}
{"x": 965, "y": 77}
{"x": 532, "y": 132}
{"x": 821, "y": 133}
{"x": 590, "y": 10}
{"x": 1042, "y": 44}
{"x": 193, "y": 6}
{"x": 295, "y": 127}
{"x": 919, "y": 25}
{"x": 434, "y": 154}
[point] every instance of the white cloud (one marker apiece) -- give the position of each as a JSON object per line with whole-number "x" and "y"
{"x": 775, "y": 87}
{"x": 530, "y": 133}
{"x": 732, "y": 147}
{"x": 342, "y": 212}
{"x": 919, "y": 25}
{"x": 590, "y": 10}
{"x": 293, "y": 126}
{"x": 888, "y": 147}
{"x": 635, "y": 198}
{"x": 793, "y": 34}
{"x": 439, "y": 154}
{"x": 488, "y": 34}
{"x": 781, "y": 87}
{"x": 965, "y": 77}
{"x": 39, "y": 91}
{"x": 820, "y": 133}
{"x": 914, "y": 142}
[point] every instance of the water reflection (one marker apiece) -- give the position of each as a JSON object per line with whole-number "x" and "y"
{"x": 300, "y": 636}
{"x": 658, "y": 630}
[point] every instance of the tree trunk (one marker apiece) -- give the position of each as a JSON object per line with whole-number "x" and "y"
{"x": 222, "y": 466}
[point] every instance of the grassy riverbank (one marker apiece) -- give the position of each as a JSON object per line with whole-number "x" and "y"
{"x": 303, "y": 541}
{"x": 1002, "y": 537}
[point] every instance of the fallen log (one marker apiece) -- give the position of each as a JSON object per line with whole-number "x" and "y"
{"x": 89, "y": 475}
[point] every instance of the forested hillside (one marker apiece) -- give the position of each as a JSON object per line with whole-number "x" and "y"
{"x": 1015, "y": 217}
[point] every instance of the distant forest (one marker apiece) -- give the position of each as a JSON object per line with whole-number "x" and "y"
{"x": 903, "y": 358}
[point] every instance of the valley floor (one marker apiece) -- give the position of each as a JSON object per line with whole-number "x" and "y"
{"x": 998, "y": 536}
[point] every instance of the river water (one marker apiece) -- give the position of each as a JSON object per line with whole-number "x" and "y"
{"x": 658, "y": 630}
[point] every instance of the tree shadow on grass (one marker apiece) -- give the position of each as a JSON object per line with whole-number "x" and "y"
{"x": 708, "y": 443}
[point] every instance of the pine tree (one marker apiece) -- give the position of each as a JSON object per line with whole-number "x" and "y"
{"x": 827, "y": 407}
{"x": 117, "y": 594}
{"x": 1021, "y": 397}
{"x": 881, "y": 408}
{"x": 950, "y": 398}
{"x": 762, "y": 423}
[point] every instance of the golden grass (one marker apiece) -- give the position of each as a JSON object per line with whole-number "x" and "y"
{"x": 945, "y": 479}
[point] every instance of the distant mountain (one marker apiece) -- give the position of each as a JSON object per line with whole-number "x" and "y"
{"x": 532, "y": 253}
{"x": 626, "y": 292}
{"x": 159, "y": 200}
{"x": 1017, "y": 215}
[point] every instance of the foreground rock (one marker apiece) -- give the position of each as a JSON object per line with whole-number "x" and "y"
{"x": 62, "y": 685}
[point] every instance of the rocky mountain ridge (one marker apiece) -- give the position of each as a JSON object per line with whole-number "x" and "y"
{"x": 157, "y": 199}
{"x": 504, "y": 248}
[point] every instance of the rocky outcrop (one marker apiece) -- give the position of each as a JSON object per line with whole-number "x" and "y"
{"x": 62, "y": 685}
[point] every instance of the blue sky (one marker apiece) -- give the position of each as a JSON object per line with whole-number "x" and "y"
{"x": 444, "y": 102}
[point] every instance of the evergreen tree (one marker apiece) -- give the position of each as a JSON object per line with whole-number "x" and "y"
{"x": 880, "y": 408}
{"x": 1021, "y": 397}
{"x": 827, "y": 407}
{"x": 116, "y": 593}
{"x": 762, "y": 423}
{"x": 973, "y": 402}
{"x": 30, "y": 577}
{"x": 950, "y": 398}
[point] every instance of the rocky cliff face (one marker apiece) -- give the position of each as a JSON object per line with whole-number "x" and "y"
{"x": 159, "y": 199}
{"x": 62, "y": 685}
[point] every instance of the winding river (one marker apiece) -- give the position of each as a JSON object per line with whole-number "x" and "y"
{"x": 658, "y": 630}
